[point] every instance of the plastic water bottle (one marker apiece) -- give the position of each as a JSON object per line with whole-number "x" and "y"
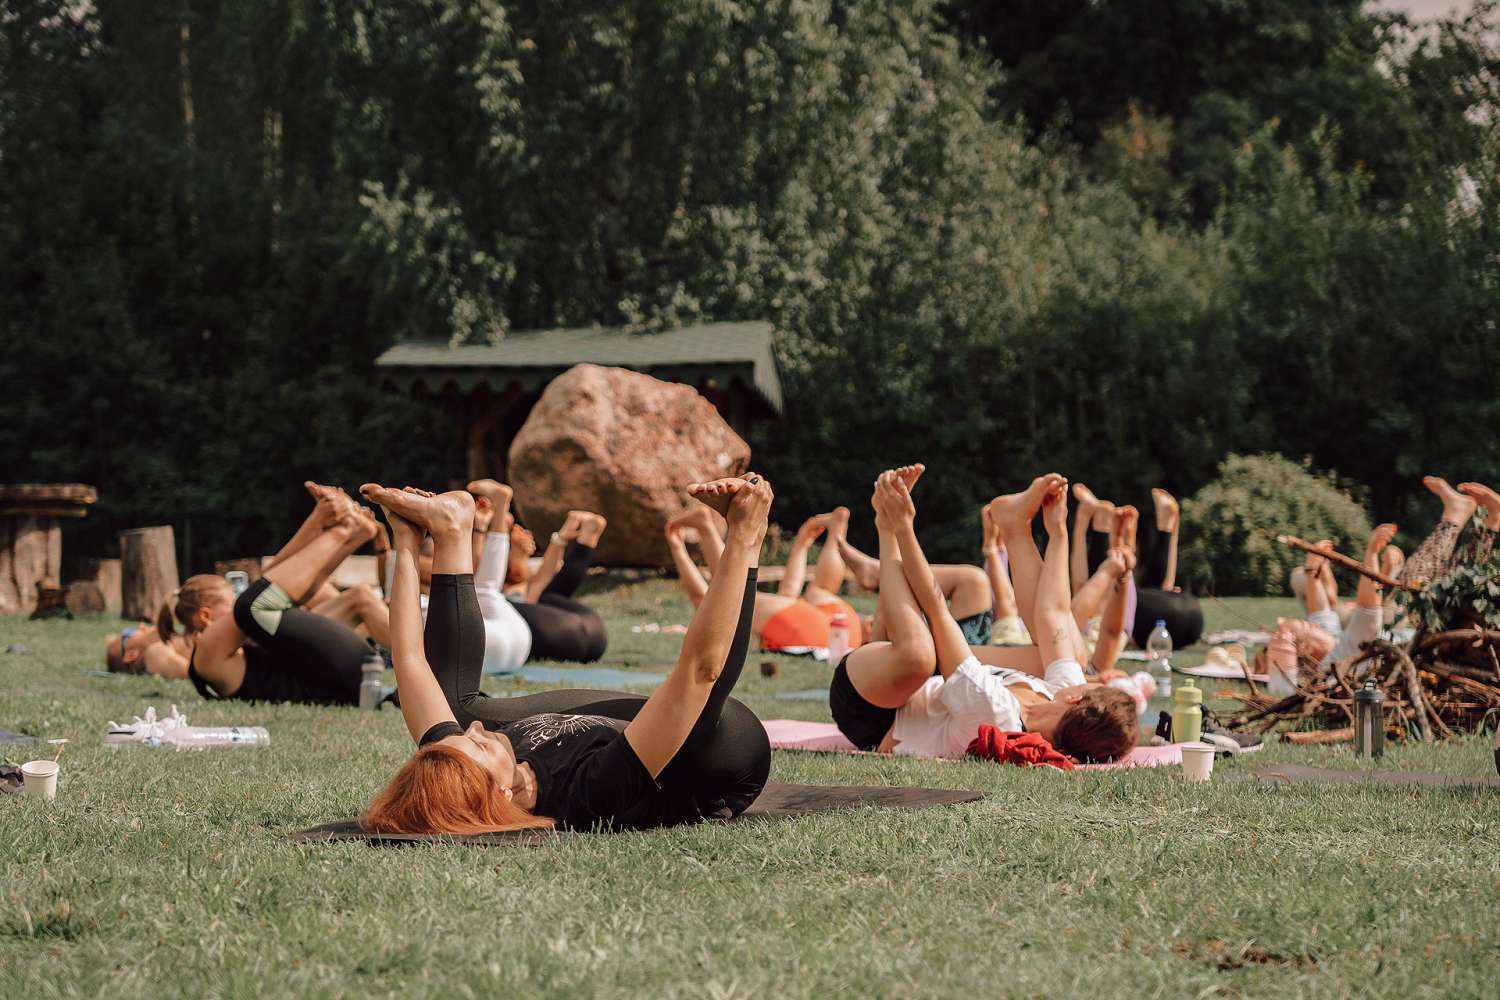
{"x": 371, "y": 674}
{"x": 197, "y": 737}
{"x": 838, "y": 638}
{"x": 1159, "y": 664}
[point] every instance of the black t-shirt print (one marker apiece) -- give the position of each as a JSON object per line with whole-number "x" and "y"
{"x": 587, "y": 773}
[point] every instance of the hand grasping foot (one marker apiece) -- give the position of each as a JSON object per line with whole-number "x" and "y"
{"x": 1314, "y": 565}
{"x": 1016, "y": 510}
{"x": 1120, "y": 561}
{"x": 1167, "y": 510}
{"x": 1055, "y": 511}
{"x": 1457, "y": 507}
{"x": 1486, "y": 498}
{"x": 438, "y": 514}
{"x": 892, "y": 500}
{"x": 744, "y": 503}
{"x": 405, "y": 536}
{"x": 1127, "y": 520}
{"x": 718, "y": 494}
{"x": 495, "y": 496}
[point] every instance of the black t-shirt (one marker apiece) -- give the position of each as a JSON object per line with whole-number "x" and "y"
{"x": 587, "y": 773}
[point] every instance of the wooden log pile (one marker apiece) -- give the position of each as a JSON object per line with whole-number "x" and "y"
{"x": 1438, "y": 684}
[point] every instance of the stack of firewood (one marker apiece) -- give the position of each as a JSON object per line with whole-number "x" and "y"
{"x": 1439, "y": 684}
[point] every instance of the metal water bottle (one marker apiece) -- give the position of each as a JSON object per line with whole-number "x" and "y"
{"x": 838, "y": 638}
{"x": 371, "y": 676}
{"x": 1369, "y": 723}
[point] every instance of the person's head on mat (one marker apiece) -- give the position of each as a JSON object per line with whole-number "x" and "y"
{"x": 461, "y": 785}
{"x": 1092, "y": 723}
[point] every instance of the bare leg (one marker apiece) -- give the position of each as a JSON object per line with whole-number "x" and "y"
{"x": 886, "y": 673}
{"x": 1089, "y": 598}
{"x": 829, "y": 571}
{"x": 996, "y": 569}
{"x": 1113, "y": 627}
{"x": 1083, "y": 517}
{"x": 1013, "y": 515}
{"x": 1315, "y": 594}
{"x": 359, "y": 605}
{"x": 795, "y": 574}
{"x": 710, "y": 536}
{"x": 866, "y": 570}
{"x": 1169, "y": 520}
{"x": 304, "y": 571}
{"x": 325, "y": 513}
{"x": 1057, "y": 634}
{"x": 552, "y": 557}
{"x": 965, "y": 588}
{"x": 688, "y": 578}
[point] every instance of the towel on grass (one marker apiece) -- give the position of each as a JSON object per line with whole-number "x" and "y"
{"x": 1023, "y": 749}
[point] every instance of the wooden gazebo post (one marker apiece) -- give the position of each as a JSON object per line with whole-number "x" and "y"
{"x": 31, "y": 538}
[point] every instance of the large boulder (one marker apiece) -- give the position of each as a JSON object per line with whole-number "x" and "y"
{"x": 622, "y": 444}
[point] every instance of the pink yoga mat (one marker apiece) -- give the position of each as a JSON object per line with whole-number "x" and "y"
{"x": 824, "y": 737}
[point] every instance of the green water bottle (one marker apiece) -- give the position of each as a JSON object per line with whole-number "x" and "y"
{"x": 1187, "y": 712}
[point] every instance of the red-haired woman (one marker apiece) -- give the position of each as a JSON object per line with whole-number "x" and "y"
{"x": 574, "y": 759}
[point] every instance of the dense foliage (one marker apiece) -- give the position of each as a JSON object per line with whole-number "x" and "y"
{"x": 1229, "y": 527}
{"x": 216, "y": 216}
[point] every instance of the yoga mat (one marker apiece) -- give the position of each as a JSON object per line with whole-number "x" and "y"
{"x": 6, "y": 736}
{"x": 1296, "y": 774}
{"x": 778, "y": 801}
{"x": 605, "y": 678}
{"x": 824, "y": 737}
{"x": 1223, "y": 672}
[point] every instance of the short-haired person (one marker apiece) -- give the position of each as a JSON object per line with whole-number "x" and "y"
{"x": 885, "y": 697}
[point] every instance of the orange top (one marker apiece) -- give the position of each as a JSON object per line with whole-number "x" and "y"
{"x": 803, "y": 624}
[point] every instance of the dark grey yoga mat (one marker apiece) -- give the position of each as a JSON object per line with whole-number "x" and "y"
{"x": 778, "y": 801}
{"x": 1296, "y": 774}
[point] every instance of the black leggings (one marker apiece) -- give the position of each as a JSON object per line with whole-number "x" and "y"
{"x": 309, "y": 659}
{"x": 725, "y": 760}
{"x": 562, "y": 628}
{"x": 1179, "y": 609}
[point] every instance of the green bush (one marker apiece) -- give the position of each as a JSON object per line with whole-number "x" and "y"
{"x": 1229, "y": 527}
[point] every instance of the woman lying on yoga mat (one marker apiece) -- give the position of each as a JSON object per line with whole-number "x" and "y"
{"x": 262, "y": 646}
{"x": 550, "y": 626}
{"x": 156, "y": 648}
{"x": 576, "y": 759}
{"x": 795, "y": 619}
{"x": 981, "y": 600}
{"x": 885, "y": 697}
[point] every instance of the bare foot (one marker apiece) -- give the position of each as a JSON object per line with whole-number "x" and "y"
{"x": 1315, "y": 564}
{"x": 696, "y": 517}
{"x": 1392, "y": 562}
{"x": 865, "y": 569}
{"x": 1486, "y": 498}
{"x": 812, "y": 528}
{"x": 484, "y": 514}
{"x": 327, "y": 502}
{"x": 1167, "y": 511}
{"x": 438, "y": 514}
{"x": 1055, "y": 511}
{"x": 1457, "y": 507}
{"x": 718, "y": 494}
{"x": 838, "y": 520}
{"x": 1015, "y": 510}
{"x": 1127, "y": 520}
{"x": 910, "y": 474}
{"x": 498, "y": 494}
{"x": 1379, "y": 539}
{"x": 990, "y": 537}
{"x": 404, "y": 534}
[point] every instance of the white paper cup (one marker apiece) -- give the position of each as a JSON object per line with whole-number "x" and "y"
{"x": 1197, "y": 761}
{"x": 39, "y": 778}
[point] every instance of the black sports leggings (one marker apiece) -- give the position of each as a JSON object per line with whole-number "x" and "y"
{"x": 1179, "y": 609}
{"x": 725, "y": 760}
{"x": 562, "y": 628}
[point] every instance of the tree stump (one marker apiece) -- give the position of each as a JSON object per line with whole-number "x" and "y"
{"x": 148, "y": 571}
{"x": 31, "y": 538}
{"x": 105, "y": 573}
{"x": 85, "y": 599}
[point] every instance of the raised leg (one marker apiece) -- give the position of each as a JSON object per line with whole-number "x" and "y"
{"x": 1434, "y": 557}
{"x": 1168, "y": 521}
{"x": 1013, "y": 515}
{"x": 795, "y": 574}
{"x": 830, "y": 569}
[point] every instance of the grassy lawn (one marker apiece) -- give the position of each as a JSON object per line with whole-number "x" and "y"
{"x": 168, "y": 874}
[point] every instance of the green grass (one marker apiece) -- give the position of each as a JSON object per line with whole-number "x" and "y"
{"x": 169, "y": 874}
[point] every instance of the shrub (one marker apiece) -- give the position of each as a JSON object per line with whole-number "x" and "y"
{"x": 1229, "y": 527}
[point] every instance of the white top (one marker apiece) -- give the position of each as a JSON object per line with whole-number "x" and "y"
{"x": 944, "y": 716}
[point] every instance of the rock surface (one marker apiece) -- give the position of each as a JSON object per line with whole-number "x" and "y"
{"x": 624, "y": 445}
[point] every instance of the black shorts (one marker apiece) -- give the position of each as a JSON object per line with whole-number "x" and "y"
{"x": 863, "y": 723}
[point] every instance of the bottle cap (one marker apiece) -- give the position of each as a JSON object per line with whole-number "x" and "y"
{"x": 1187, "y": 693}
{"x": 1161, "y": 623}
